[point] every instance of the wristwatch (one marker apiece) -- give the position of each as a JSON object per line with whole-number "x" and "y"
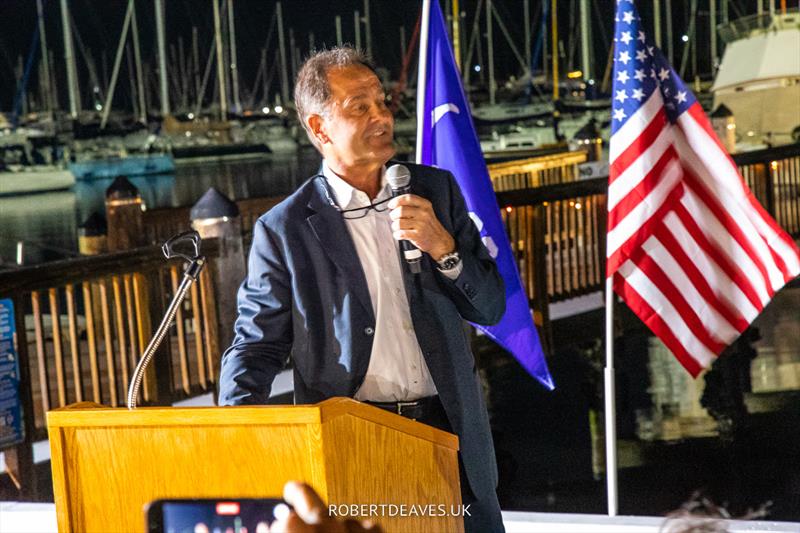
{"x": 449, "y": 261}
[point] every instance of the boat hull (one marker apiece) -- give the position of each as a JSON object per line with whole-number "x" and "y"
{"x": 137, "y": 165}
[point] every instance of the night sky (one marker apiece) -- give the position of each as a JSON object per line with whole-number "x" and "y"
{"x": 99, "y": 24}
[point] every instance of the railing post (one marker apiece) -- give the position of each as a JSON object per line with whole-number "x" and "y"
{"x": 19, "y": 459}
{"x": 124, "y": 212}
{"x": 541, "y": 297}
{"x": 92, "y": 235}
{"x": 215, "y": 216}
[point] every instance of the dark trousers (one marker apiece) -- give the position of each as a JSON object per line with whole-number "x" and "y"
{"x": 482, "y": 515}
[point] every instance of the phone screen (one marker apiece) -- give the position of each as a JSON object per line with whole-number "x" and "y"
{"x": 214, "y": 516}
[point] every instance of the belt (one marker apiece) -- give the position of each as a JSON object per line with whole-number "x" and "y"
{"x": 415, "y": 410}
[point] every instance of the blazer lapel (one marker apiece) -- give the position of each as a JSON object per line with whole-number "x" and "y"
{"x": 329, "y": 227}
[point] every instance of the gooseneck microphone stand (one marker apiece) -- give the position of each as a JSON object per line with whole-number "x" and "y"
{"x": 196, "y": 263}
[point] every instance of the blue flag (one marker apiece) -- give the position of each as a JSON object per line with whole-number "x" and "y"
{"x": 448, "y": 141}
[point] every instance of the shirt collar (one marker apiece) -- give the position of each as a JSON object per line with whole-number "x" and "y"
{"x": 344, "y": 193}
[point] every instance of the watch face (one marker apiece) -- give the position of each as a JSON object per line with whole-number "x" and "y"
{"x": 449, "y": 263}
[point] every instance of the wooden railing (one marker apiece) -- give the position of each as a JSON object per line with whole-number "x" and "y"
{"x": 557, "y": 231}
{"x": 82, "y": 324}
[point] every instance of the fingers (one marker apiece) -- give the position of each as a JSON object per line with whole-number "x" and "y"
{"x": 307, "y": 504}
{"x": 410, "y": 200}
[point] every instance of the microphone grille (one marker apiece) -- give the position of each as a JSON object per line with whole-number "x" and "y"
{"x": 398, "y": 176}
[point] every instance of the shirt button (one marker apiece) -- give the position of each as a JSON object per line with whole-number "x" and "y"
{"x": 368, "y": 331}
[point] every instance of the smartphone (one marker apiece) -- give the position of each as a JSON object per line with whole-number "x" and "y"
{"x": 246, "y": 515}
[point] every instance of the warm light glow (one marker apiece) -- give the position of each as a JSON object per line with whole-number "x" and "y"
{"x": 773, "y": 165}
{"x": 509, "y": 209}
{"x": 228, "y": 508}
{"x": 731, "y": 126}
{"x": 575, "y": 74}
{"x": 577, "y": 205}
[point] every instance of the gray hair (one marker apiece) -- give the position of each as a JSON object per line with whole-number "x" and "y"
{"x": 312, "y": 90}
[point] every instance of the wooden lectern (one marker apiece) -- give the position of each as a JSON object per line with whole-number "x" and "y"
{"x": 108, "y": 463}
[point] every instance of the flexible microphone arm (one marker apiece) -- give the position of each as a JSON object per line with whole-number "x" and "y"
{"x": 196, "y": 263}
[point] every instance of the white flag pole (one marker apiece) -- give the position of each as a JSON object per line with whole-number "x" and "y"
{"x": 610, "y": 403}
{"x": 422, "y": 72}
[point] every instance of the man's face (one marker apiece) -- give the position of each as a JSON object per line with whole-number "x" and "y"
{"x": 357, "y": 127}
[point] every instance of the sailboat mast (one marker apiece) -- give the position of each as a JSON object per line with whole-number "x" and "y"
{"x": 586, "y": 41}
{"x": 162, "y": 58}
{"x": 554, "y": 14}
{"x": 237, "y": 104}
{"x": 223, "y": 95}
{"x": 490, "y": 45}
{"x": 48, "y": 88}
{"x": 137, "y": 58}
{"x": 282, "y": 50}
{"x": 69, "y": 58}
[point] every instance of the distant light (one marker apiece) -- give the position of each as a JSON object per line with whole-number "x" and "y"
{"x": 731, "y": 126}
{"x": 509, "y": 209}
{"x": 265, "y": 110}
{"x": 477, "y": 68}
{"x": 575, "y": 74}
{"x": 228, "y": 508}
{"x": 190, "y": 116}
{"x": 751, "y": 133}
{"x": 577, "y": 205}
{"x": 279, "y": 109}
{"x": 773, "y": 165}
{"x": 99, "y": 107}
{"x": 685, "y": 38}
{"x": 590, "y": 82}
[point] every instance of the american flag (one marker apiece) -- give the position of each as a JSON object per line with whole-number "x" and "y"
{"x": 690, "y": 249}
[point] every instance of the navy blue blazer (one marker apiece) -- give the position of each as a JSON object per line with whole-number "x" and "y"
{"x": 305, "y": 295}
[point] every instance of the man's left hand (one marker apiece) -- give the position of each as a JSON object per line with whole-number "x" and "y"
{"x": 413, "y": 220}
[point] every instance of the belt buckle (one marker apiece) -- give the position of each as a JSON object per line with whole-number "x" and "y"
{"x": 401, "y": 405}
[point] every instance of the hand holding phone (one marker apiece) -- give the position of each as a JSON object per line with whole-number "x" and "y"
{"x": 246, "y": 515}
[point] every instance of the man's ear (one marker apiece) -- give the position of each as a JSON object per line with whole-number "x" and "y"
{"x": 317, "y": 127}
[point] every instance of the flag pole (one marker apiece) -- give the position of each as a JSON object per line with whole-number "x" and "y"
{"x": 610, "y": 403}
{"x": 422, "y": 73}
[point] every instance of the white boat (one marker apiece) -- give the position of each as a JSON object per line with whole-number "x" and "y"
{"x": 759, "y": 78}
{"x": 28, "y": 179}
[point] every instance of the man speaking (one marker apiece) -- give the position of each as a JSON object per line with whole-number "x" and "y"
{"x": 327, "y": 282}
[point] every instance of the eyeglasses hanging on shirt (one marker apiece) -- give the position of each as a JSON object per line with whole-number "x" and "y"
{"x": 361, "y": 212}
{"x": 356, "y": 212}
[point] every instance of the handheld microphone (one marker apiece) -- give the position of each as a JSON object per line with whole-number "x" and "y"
{"x": 399, "y": 178}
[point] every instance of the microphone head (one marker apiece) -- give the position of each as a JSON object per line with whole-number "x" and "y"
{"x": 398, "y": 176}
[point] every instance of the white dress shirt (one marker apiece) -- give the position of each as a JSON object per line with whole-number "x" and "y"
{"x": 397, "y": 370}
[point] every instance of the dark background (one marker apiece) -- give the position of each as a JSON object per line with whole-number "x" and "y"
{"x": 99, "y": 24}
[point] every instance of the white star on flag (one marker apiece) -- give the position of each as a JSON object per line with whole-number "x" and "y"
{"x": 626, "y": 37}
{"x": 628, "y": 17}
{"x": 639, "y": 75}
{"x": 653, "y": 73}
{"x": 624, "y": 57}
{"x": 621, "y": 96}
{"x": 680, "y": 97}
{"x": 622, "y": 76}
{"x": 650, "y": 50}
{"x": 641, "y": 36}
{"x": 663, "y": 74}
{"x": 638, "y": 94}
{"x": 619, "y": 114}
{"x": 641, "y": 55}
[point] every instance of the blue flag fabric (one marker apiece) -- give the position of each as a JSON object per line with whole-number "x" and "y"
{"x": 449, "y": 141}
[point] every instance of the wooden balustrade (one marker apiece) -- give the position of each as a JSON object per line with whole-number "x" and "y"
{"x": 87, "y": 321}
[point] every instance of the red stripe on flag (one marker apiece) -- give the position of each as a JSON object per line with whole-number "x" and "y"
{"x": 621, "y": 254}
{"x": 660, "y": 279}
{"x": 730, "y": 269}
{"x": 731, "y": 227}
{"x": 642, "y": 143}
{"x": 652, "y": 320}
{"x": 639, "y": 193}
{"x": 699, "y": 116}
{"x": 699, "y": 280}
